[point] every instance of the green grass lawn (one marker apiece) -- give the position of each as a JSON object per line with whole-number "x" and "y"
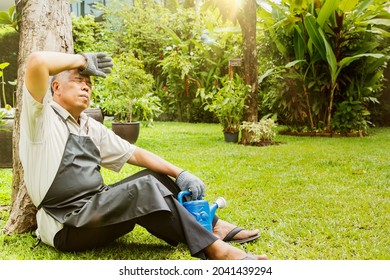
{"x": 312, "y": 198}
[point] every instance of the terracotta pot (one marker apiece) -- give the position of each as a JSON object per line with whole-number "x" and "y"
{"x": 127, "y": 131}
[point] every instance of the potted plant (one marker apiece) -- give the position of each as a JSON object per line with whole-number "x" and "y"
{"x": 126, "y": 94}
{"x": 227, "y": 102}
{"x": 6, "y": 124}
{"x": 94, "y": 111}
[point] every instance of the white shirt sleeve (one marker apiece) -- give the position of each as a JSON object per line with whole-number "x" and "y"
{"x": 114, "y": 151}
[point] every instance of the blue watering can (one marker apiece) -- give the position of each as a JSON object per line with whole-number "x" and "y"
{"x": 201, "y": 210}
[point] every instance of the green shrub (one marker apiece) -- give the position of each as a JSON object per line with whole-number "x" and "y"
{"x": 227, "y": 101}
{"x": 126, "y": 93}
{"x": 87, "y": 34}
{"x": 9, "y": 46}
{"x": 262, "y": 131}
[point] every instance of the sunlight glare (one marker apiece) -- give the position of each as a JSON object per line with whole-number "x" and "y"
{"x": 239, "y": 3}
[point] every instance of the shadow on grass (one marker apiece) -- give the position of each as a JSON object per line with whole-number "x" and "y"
{"x": 121, "y": 250}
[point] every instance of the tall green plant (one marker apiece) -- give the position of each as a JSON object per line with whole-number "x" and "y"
{"x": 127, "y": 92}
{"x": 335, "y": 64}
{"x": 332, "y": 38}
{"x": 227, "y": 101}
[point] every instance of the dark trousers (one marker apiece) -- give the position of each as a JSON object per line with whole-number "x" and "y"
{"x": 176, "y": 226}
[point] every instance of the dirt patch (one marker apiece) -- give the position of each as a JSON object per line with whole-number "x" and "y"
{"x": 324, "y": 134}
{"x": 265, "y": 144}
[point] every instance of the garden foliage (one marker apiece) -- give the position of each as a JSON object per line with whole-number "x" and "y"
{"x": 331, "y": 56}
{"x": 9, "y": 41}
{"x": 127, "y": 92}
{"x": 320, "y": 62}
{"x": 182, "y": 51}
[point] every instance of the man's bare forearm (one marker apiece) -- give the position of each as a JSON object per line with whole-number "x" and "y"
{"x": 151, "y": 161}
{"x": 41, "y": 65}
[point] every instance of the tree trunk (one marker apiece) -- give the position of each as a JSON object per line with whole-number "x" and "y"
{"x": 44, "y": 25}
{"x": 247, "y": 20}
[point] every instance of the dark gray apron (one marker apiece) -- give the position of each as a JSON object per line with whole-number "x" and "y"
{"x": 79, "y": 198}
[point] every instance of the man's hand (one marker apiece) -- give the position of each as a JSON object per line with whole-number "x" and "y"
{"x": 98, "y": 64}
{"x": 188, "y": 182}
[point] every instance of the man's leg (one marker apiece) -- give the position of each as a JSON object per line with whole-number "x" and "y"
{"x": 178, "y": 226}
{"x": 221, "y": 228}
{"x": 72, "y": 239}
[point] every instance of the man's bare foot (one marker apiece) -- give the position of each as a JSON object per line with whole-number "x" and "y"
{"x": 222, "y": 229}
{"x": 220, "y": 250}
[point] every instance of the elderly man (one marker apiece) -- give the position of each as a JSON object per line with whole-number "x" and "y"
{"x": 62, "y": 150}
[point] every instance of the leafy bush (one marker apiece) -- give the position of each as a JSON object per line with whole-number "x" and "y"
{"x": 262, "y": 131}
{"x": 87, "y": 34}
{"x": 227, "y": 101}
{"x": 127, "y": 92}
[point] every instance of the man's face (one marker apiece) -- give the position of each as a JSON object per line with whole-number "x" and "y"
{"x": 72, "y": 91}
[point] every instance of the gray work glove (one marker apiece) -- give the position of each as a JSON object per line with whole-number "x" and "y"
{"x": 188, "y": 182}
{"x": 98, "y": 64}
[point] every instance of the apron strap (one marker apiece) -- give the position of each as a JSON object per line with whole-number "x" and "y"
{"x": 55, "y": 110}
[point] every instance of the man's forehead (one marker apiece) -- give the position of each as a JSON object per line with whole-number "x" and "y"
{"x": 76, "y": 74}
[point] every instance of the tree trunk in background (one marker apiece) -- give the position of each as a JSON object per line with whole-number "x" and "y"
{"x": 44, "y": 25}
{"x": 247, "y": 20}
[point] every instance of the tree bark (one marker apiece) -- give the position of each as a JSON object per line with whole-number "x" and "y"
{"x": 247, "y": 20}
{"x": 44, "y": 25}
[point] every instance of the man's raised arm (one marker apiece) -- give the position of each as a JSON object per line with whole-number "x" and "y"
{"x": 41, "y": 65}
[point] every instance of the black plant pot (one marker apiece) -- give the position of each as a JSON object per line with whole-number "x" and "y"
{"x": 231, "y": 137}
{"x": 95, "y": 113}
{"x": 6, "y": 156}
{"x": 127, "y": 131}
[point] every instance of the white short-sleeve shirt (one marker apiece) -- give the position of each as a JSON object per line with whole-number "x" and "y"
{"x": 43, "y": 136}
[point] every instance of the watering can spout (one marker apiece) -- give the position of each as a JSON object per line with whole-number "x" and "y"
{"x": 220, "y": 202}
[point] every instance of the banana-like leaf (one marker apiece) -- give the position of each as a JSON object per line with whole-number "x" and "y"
{"x": 362, "y": 6}
{"x": 326, "y": 10}
{"x": 280, "y": 46}
{"x": 313, "y": 28}
{"x": 294, "y": 62}
{"x": 378, "y": 21}
{"x": 348, "y": 5}
{"x": 330, "y": 57}
{"x": 347, "y": 60}
{"x": 299, "y": 42}
{"x": 265, "y": 75}
{"x": 374, "y": 66}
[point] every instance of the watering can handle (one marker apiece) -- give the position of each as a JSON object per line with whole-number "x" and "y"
{"x": 181, "y": 195}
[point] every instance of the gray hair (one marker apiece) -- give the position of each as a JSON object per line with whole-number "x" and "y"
{"x": 58, "y": 76}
